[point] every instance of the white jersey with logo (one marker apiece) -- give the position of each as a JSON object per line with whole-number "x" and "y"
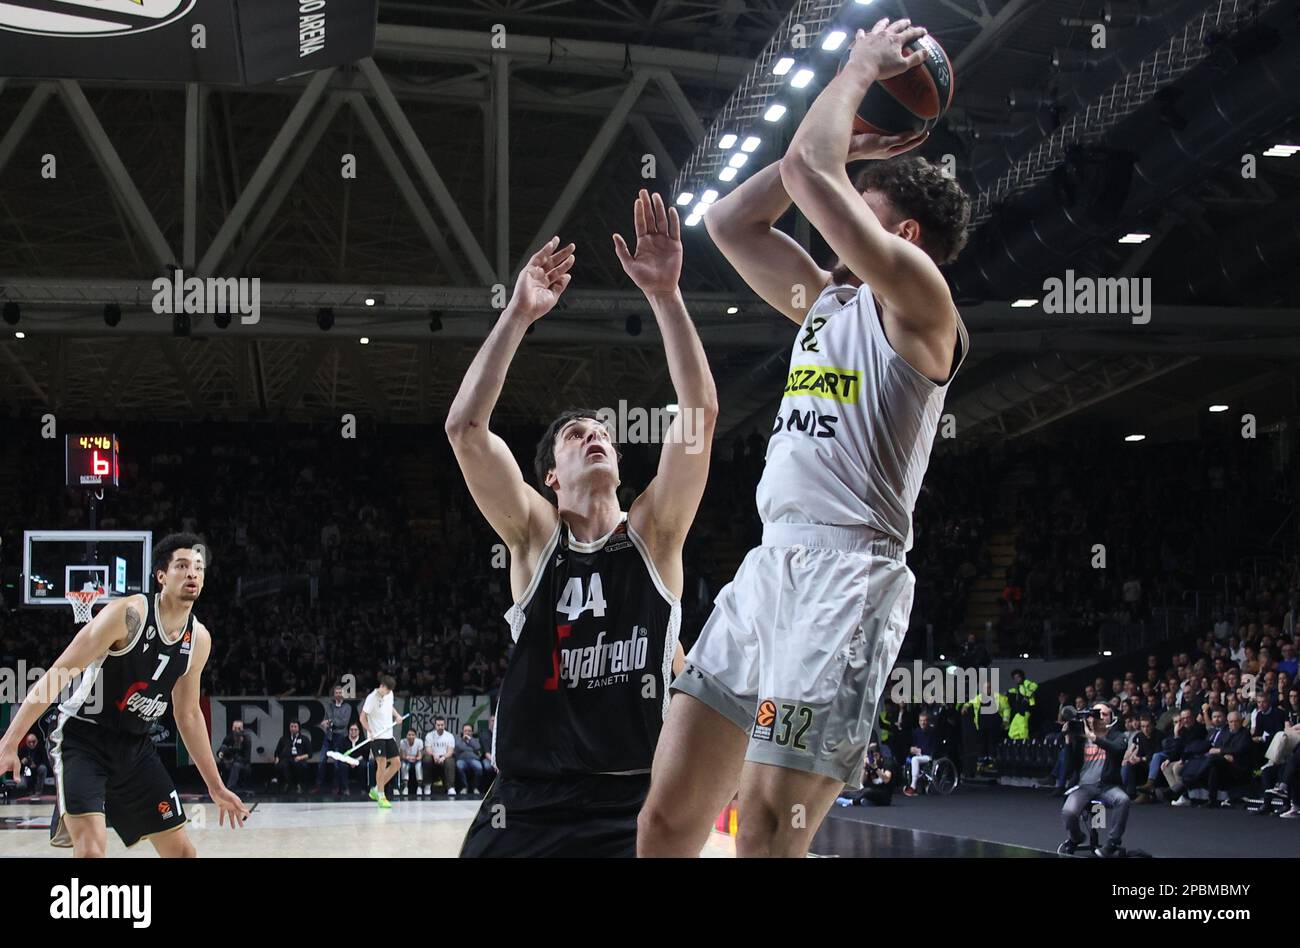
{"x": 379, "y": 711}
{"x": 852, "y": 439}
{"x": 440, "y": 745}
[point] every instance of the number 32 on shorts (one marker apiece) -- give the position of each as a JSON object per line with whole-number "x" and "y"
{"x": 784, "y": 722}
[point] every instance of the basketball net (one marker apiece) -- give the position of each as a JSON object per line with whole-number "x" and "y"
{"x": 83, "y": 601}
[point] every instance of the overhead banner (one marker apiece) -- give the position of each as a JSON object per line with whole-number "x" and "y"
{"x": 267, "y": 718}
{"x": 241, "y": 42}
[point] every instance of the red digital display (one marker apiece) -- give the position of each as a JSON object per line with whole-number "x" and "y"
{"x": 90, "y": 460}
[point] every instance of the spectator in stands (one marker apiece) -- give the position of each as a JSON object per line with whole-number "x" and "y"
{"x": 1288, "y": 662}
{"x": 234, "y": 757}
{"x": 469, "y": 760}
{"x": 1283, "y": 744}
{"x": 1021, "y": 699}
{"x": 363, "y": 772}
{"x": 924, "y": 744}
{"x": 410, "y": 754}
{"x": 1142, "y": 750}
{"x": 877, "y": 779}
{"x": 1097, "y": 757}
{"x": 290, "y": 760}
{"x": 334, "y": 728}
{"x": 440, "y": 756}
{"x": 1265, "y": 722}
{"x": 34, "y": 766}
{"x": 973, "y": 654}
{"x": 1193, "y": 763}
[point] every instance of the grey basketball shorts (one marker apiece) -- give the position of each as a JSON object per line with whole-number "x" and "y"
{"x": 800, "y": 644}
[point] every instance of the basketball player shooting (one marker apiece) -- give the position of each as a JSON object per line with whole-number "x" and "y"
{"x": 779, "y": 694}
{"x": 137, "y": 651}
{"x": 596, "y": 590}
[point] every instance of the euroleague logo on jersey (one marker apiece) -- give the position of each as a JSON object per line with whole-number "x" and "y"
{"x": 140, "y": 704}
{"x": 90, "y": 18}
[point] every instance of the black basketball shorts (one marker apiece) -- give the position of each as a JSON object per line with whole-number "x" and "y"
{"x": 584, "y": 817}
{"x": 98, "y": 770}
{"x": 384, "y": 747}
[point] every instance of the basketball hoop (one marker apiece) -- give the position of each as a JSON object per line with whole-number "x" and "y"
{"x": 83, "y": 601}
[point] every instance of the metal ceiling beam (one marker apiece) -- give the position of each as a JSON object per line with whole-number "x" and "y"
{"x": 193, "y": 161}
{"x": 465, "y": 91}
{"x": 406, "y": 187}
{"x": 365, "y": 379}
{"x": 270, "y": 163}
{"x": 23, "y": 120}
{"x": 667, "y": 172}
{"x": 991, "y": 36}
{"x": 119, "y": 179}
{"x": 424, "y": 44}
{"x": 1108, "y": 392}
{"x": 686, "y": 113}
{"x": 586, "y": 170}
{"x": 1227, "y": 394}
{"x": 442, "y": 197}
{"x": 500, "y": 152}
{"x": 306, "y": 371}
{"x": 23, "y": 374}
{"x": 288, "y": 176}
{"x": 183, "y": 379}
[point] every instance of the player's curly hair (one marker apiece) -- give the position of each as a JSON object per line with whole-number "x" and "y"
{"x": 921, "y": 191}
{"x": 165, "y": 548}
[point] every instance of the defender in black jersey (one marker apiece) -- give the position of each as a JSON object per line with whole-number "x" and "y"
{"x": 596, "y": 590}
{"x": 139, "y": 656}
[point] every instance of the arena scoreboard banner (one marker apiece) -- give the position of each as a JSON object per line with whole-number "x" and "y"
{"x": 267, "y": 718}
{"x": 217, "y": 41}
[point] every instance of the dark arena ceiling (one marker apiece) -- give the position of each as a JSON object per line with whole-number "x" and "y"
{"x": 469, "y": 156}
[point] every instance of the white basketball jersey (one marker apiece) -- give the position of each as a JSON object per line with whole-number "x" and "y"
{"x": 852, "y": 439}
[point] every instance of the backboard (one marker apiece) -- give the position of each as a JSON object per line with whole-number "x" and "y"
{"x": 55, "y": 561}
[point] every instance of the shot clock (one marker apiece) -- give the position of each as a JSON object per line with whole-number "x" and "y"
{"x": 90, "y": 460}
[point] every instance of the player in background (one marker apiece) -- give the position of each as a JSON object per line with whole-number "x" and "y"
{"x": 141, "y": 653}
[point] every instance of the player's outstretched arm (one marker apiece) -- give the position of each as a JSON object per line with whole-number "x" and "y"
{"x": 743, "y": 226}
{"x": 814, "y": 174}
{"x": 115, "y": 623}
{"x": 194, "y": 731}
{"x": 664, "y": 511}
{"x": 513, "y": 509}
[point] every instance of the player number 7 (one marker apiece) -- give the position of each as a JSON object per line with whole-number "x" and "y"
{"x": 162, "y": 663}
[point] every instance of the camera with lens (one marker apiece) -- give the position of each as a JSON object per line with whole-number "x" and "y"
{"x": 1075, "y": 718}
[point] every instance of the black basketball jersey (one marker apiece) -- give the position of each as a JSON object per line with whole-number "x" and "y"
{"x": 586, "y": 689}
{"x": 134, "y": 684}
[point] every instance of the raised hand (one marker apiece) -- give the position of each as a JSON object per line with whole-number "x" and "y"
{"x": 881, "y": 50}
{"x": 657, "y": 264}
{"x": 869, "y": 145}
{"x": 542, "y": 280}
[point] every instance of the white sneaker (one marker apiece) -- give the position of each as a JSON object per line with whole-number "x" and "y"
{"x": 1291, "y": 814}
{"x": 1182, "y": 801}
{"x": 425, "y": 789}
{"x": 451, "y": 791}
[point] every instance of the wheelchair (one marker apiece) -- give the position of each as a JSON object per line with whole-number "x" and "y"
{"x": 938, "y": 775}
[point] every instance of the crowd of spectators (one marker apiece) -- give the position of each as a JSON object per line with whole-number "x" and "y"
{"x": 1103, "y": 537}
{"x": 321, "y": 568}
